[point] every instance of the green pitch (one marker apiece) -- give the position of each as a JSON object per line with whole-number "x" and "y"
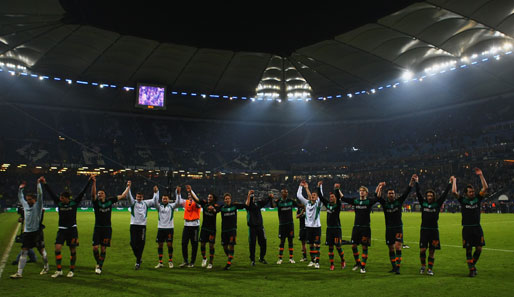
{"x": 120, "y": 279}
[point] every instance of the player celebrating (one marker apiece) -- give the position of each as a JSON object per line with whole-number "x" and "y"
{"x": 103, "y": 231}
{"x": 312, "y": 221}
{"x": 190, "y": 231}
{"x": 334, "y": 233}
{"x": 472, "y": 233}
{"x": 67, "y": 225}
{"x": 285, "y": 224}
{"x": 361, "y": 233}
{"x": 229, "y": 227}
{"x": 165, "y": 226}
{"x": 429, "y": 233}
{"x": 32, "y": 231}
{"x": 255, "y": 226}
{"x": 208, "y": 232}
{"x": 392, "y": 207}
{"x": 138, "y": 211}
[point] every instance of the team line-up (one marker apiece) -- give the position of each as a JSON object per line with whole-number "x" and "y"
{"x": 308, "y": 212}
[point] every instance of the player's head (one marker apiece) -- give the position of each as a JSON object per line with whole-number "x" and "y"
{"x": 470, "y": 191}
{"x": 314, "y": 197}
{"x": 391, "y": 194}
{"x": 165, "y": 199}
{"x": 101, "y": 195}
{"x": 227, "y": 198}
{"x": 332, "y": 197}
{"x": 284, "y": 193}
{"x": 30, "y": 198}
{"x": 363, "y": 192}
{"x": 139, "y": 196}
{"x": 430, "y": 195}
{"x": 65, "y": 197}
{"x": 211, "y": 198}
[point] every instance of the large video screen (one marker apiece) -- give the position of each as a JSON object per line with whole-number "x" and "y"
{"x": 151, "y": 96}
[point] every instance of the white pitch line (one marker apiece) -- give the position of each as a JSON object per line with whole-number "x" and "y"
{"x": 449, "y": 245}
{"x": 8, "y": 250}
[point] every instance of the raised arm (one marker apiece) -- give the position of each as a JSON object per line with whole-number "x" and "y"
{"x": 249, "y": 197}
{"x": 178, "y": 198}
{"x": 407, "y": 191}
{"x": 39, "y": 195}
{"x": 124, "y": 194}
{"x": 446, "y": 190}
{"x": 83, "y": 192}
{"x": 478, "y": 172}
{"x": 320, "y": 193}
{"x": 21, "y": 195}
{"x": 379, "y": 190}
{"x": 155, "y": 198}
{"x": 306, "y": 186}
{"x": 193, "y": 195}
{"x": 299, "y": 194}
{"x": 418, "y": 191}
{"x": 454, "y": 188}
{"x": 131, "y": 198}
{"x": 54, "y": 197}
{"x": 93, "y": 189}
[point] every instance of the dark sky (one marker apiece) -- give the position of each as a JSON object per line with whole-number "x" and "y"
{"x": 264, "y": 26}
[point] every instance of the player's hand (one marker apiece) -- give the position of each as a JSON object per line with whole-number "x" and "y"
{"x": 93, "y": 178}
{"x": 271, "y": 195}
{"x": 251, "y": 192}
{"x": 416, "y": 178}
{"x": 155, "y": 189}
{"x": 320, "y": 183}
{"x": 188, "y": 188}
{"x": 43, "y": 179}
{"x": 129, "y": 184}
{"x": 452, "y": 178}
{"x": 305, "y": 184}
{"x": 337, "y": 186}
{"x": 210, "y": 208}
{"x": 23, "y": 184}
{"x": 478, "y": 171}
{"x": 178, "y": 189}
{"x": 382, "y": 184}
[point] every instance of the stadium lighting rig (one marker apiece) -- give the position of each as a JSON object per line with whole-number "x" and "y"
{"x": 494, "y": 53}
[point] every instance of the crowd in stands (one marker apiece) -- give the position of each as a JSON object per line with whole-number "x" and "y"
{"x": 434, "y": 145}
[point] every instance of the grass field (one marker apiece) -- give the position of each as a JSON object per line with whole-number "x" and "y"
{"x": 119, "y": 278}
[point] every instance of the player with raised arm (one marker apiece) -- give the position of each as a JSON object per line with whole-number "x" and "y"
{"x": 32, "y": 231}
{"x": 392, "y": 207}
{"x": 255, "y": 226}
{"x": 333, "y": 234}
{"x": 138, "y": 212}
{"x": 67, "y": 225}
{"x": 361, "y": 232}
{"x": 102, "y": 233}
{"x": 472, "y": 233}
{"x": 165, "y": 225}
{"x": 429, "y": 233}
{"x": 285, "y": 224}
{"x": 312, "y": 221}
{"x": 229, "y": 227}
{"x": 208, "y": 231}
{"x": 191, "y": 229}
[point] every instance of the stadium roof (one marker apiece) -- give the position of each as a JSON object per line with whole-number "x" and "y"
{"x": 48, "y": 38}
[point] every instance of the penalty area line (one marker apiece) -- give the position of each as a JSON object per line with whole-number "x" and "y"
{"x": 8, "y": 250}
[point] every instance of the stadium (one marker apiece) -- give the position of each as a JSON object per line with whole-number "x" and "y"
{"x": 263, "y": 107}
